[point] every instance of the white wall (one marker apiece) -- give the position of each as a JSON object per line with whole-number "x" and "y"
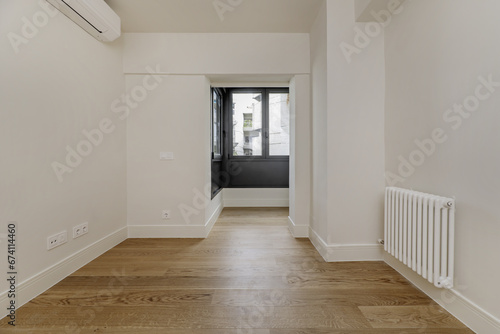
{"x": 376, "y": 10}
{"x": 61, "y": 82}
{"x": 355, "y": 144}
{"x": 348, "y": 138}
{"x": 175, "y": 117}
{"x": 300, "y": 155}
{"x": 256, "y": 197}
{"x": 319, "y": 92}
{"x": 439, "y": 68}
{"x": 218, "y": 53}
{"x": 360, "y": 6}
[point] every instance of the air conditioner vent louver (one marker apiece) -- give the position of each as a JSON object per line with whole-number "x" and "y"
{"x": 94, "y": 16}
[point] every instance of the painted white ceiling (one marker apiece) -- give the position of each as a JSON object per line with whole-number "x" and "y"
{"x": 195, "y": 16}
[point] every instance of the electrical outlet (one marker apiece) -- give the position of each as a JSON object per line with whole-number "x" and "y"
{"x": 57, "y": 240}
{"x": 52, "y": 242}
{"x": 80, "y": 230}
{"x": 165, "y": 214}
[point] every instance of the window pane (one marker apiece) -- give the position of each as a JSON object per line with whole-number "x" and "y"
{"x": 279, "y": 124}
{"x": 247, "y": 124}
{"x": 216, "y": 124}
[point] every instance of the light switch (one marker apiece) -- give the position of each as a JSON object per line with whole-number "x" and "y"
{"x": 166, "y": 155}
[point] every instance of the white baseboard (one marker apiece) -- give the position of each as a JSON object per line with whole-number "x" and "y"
{"x": 473, "y": 316}
{"x": 345, "y": 253}
{"x": 256, "y": 203}
{"x": 298, "y": 231}
{"x": 41, "y": 282}
{"x": 175, "y": 231}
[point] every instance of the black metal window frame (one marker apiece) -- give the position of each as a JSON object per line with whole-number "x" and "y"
{"x": 265, "y": 123}
{"x": 216, "y": 93}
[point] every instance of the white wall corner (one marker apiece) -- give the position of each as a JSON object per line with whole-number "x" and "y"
{"x": 44, "y": 280}
{"x": 473, "y": 316}
{"x": 345, "y": 253}
{"x": 298, "y": 231}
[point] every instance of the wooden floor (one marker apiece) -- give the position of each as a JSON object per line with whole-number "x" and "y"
{"x": 248, "y": 276}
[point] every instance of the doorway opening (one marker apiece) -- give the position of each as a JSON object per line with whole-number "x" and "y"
{"x": 250, "y": 135}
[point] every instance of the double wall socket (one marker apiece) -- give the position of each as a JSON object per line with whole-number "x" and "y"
{"x": 57, "y": 240}
{"x": 80, "y": 230}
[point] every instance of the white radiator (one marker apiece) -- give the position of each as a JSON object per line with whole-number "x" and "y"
{"x": 419, "y": 231}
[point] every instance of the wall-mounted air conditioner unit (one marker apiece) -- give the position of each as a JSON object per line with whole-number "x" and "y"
{"x": 94, "y": 16}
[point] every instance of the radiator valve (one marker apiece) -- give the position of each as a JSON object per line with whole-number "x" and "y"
{"x": 445, "y": 282}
